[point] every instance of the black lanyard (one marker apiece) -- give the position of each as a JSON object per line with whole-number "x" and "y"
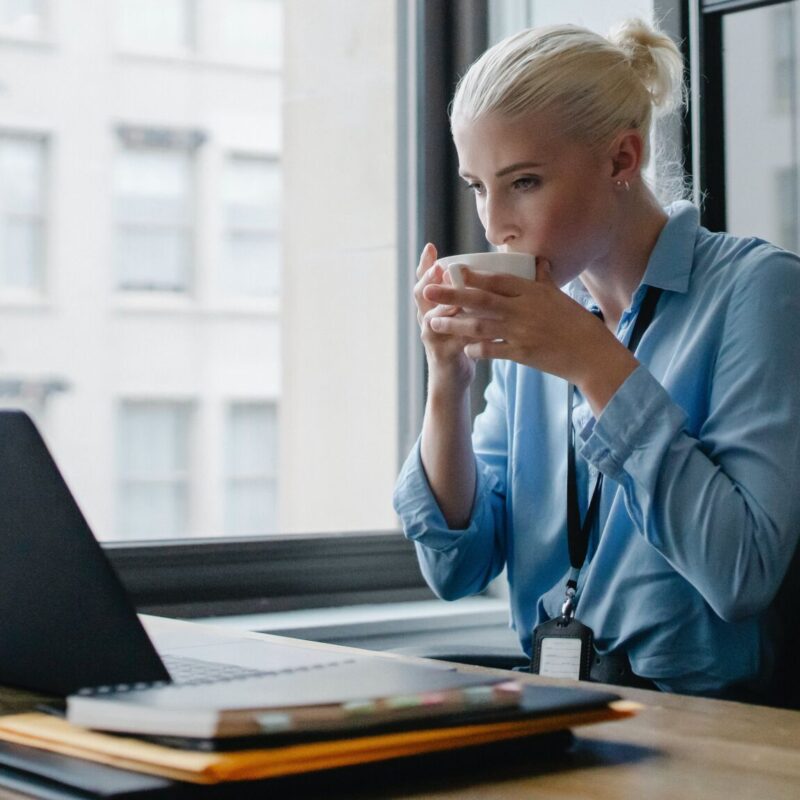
{"x": 577, "y": 533}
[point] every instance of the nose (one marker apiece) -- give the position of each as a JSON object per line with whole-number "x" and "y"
{"x": 498, "y": 222}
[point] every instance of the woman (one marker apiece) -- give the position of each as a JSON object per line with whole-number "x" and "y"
{"x": 695, "y": 434}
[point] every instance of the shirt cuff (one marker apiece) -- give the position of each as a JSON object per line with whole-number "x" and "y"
{"x": 419, "y": 512}
{"x": 638, "y": 416}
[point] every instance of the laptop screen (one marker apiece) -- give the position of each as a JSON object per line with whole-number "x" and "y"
{"x": 65, "y": 619}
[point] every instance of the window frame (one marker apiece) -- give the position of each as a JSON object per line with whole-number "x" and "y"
{"x": 38, "y": 289}
{"x": 180, "y": 479}
{"x": 706, "y": 130}
{"x": 229, "y": 231}
{"x": 231, "y": 477}
{"x": 131, "y": 141}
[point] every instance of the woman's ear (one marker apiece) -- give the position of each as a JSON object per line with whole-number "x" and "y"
{"x": 626, "y": 155}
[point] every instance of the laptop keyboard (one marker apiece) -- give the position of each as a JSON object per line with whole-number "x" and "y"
{"x": 188, "y": 671}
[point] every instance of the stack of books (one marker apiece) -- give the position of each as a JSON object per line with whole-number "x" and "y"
{"x": 182, "y": 733}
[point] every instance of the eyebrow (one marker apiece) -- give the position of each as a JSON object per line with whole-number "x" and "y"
{"x": 509, "y": 168}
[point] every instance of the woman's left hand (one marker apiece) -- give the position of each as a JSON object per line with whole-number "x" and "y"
{"x": 536, "y": 324}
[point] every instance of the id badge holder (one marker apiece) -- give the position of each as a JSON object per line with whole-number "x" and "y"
{"x": 562, "y": 648}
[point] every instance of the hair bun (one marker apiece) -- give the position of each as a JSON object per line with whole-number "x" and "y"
{"x": 655, "y": 59}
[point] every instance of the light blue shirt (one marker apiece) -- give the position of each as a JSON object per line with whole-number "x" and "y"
{"x": 700, "y": 449}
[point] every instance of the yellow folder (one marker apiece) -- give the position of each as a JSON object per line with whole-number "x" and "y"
{"x": 56, "y": 735}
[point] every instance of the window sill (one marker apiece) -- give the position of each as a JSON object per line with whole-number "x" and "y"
{"x": 248, "y": 577}
{"x": 33, "y": 42}
{"x": 22, "y": 300}
{"x": 364, "y": 619}
{"x": 193, "y": 60}
{"x": 387, "y": 626}
{"x": 166, "y": 303}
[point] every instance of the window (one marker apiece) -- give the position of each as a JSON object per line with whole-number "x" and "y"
{"x": 251, "y": 460}
{"x": 155, "y": 26}
{"x": 154, "y": 218}
{"x": 181, "y": 189}
{"x": 22, "y": 212}
{"x": 251, "y": 31}
{"x": 262, "y": 161}
{"x": 23, "y": 19}
{"x": 759, "y": 65}
{"x": 153, "y": 456}
{"x": 251, "y": 195}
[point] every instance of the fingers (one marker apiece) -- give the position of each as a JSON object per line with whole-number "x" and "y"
{"x": 426, "y": 260}
{"x": 488, "y": 349}
{"x": 474, "y": 299}
{"x": 543, "y": 270}
{"x": 467, "y": 327}
{"x": 431, "y": 276}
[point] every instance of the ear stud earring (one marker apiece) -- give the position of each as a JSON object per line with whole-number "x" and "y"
{"x": 619, "y": 184}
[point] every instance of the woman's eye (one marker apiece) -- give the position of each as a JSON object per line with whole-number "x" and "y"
{"x": 527, "y": 182}
{"x": 477, "y": 188}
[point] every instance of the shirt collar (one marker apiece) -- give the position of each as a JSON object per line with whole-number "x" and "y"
{"x": 670, "y": 263}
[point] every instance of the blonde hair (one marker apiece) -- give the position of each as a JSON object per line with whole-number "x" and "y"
{"x": 596, "y": 86}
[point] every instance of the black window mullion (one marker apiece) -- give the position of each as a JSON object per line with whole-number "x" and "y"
{"x": 712, "y": 123}
{"x": 455, "y": 33}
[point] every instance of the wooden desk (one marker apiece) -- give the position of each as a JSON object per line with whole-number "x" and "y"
{"x": 677, "y": 748}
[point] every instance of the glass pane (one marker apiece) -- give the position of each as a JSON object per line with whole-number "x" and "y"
{"x": 21, "y": 247}
{"x": 186, "y": 175}
{"x": 252, "y": 192}
{"x": 588, "y": 13}
{"x": 251, "y": 31}
{"x": 152, "y": 459}
{"x": 251, "y": 508}
{"x": 155, "y": 25}
{"x": 22, "y": 163}
{"x": 152, "y": 511}
{"x": 762, "y": 123}
{"x": 153, "y": 259}
{"x": 252, "y": 441}
{"x": 155, "y": 176}
{"x": 23, "y": 18}
{"x": 21, "y": 175}
{"x": 153, "y": 440}
{"x": 154, "y": 212}
{"x": 252, "y": 264}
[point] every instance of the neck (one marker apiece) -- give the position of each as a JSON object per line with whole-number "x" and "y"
{"x": 613, "y": 279}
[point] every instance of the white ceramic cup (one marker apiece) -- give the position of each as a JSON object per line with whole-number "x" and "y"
{"x": 520, "y": 264}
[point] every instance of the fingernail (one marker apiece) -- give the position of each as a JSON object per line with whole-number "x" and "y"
{"x": 436, "y": 324}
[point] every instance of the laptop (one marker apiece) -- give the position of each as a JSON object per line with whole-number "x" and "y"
{"x": 66, "y": 622}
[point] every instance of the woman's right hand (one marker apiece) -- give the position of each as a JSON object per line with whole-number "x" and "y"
{"x": 447, "y": 361}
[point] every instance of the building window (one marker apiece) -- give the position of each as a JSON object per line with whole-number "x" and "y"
{"x": 22, "y": 217}
{"x": 23, "y": 19}
{"x": 154, "y": 218}
{"x": 251, "y": 458}
{"x": 251, "y": 251}
{"x": 251, "y": 31}
{"x": 156, "y": 26}
{"x": 153, "y": 443}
